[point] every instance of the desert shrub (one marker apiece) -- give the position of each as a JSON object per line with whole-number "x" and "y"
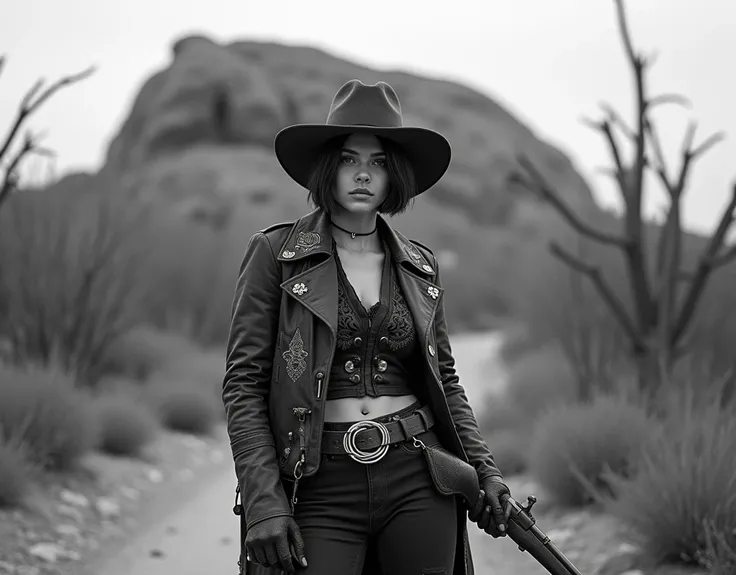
{"x": 54, "y": 419}
{"x": 680, "y": 503}
{"x": 135, "y": 356}
{"x": 70, "y": 284}
{"x": 184, "y": 406}
{"x": 510, "y": 449}
{"x": 16, "y": 471}
{"x": 540, "y": 380}
{"x": 127, "y": 424}
{"x": 573, "y": 445}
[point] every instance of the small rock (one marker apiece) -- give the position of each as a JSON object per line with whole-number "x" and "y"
{"x": 171, "y": 530}
{"x": 130, "y": 493}
{"x": 71, "y": 512}
{"x": 67, "y": 529}
{"x": 73, "y": 498}
{"x": 155, "y": 476}
{"x": 157, "y": 553}
{"x": 627, "y": 549}
{"x": 108, "y": 507}
{"x": 49, "y": 552}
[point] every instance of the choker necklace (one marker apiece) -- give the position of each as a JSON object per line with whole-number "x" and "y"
{"x": 353, "y": 234}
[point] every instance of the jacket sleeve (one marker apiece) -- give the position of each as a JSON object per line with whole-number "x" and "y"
{"x": 248, "y": 366}
{"x": 462, "y": 413}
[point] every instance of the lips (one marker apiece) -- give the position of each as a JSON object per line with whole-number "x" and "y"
{"x": 361, "y": 192}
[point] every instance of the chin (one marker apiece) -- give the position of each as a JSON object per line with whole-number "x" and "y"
{"x": 359, "y": 208}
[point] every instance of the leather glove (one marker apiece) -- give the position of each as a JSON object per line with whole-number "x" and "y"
{"x": 275, "y": 542}
{"x": 491, "y": 511}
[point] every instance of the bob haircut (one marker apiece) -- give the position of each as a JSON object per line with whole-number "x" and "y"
{"x": 402, "y": 184}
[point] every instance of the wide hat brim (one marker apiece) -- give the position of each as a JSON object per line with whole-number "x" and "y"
{"x": 297, "y": 148}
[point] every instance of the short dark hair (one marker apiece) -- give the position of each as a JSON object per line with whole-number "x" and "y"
{"x": 402, "y": 185}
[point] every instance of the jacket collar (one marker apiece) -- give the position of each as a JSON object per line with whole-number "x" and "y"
{"x": 312, "y": 234}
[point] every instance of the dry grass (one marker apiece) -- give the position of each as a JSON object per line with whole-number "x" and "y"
{"x": 44, "y": 409}
{"x": 680, "y": 504}
{"x": 573, "y": 446}
{"x": 16, "y": 471}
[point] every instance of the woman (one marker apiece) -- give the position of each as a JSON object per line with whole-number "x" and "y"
{"x": 339, "y": 365}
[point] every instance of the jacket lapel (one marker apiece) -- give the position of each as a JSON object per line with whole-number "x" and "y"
{"x": 416, "y": 278}
{"x": 316, "y": 287}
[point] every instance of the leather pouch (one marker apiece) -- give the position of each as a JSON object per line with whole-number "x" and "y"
{"x": 451, "y": 475}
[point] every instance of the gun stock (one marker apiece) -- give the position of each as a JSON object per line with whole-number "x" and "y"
{"x": 522, "y": 529}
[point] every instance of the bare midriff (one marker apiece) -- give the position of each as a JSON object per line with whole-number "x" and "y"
{"x": 359, "y": 408}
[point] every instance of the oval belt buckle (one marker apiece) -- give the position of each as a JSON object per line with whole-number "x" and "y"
{"x": 366, "y": 457}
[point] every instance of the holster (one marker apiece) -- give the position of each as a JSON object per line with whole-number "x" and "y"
{"x": 451, "y": 475}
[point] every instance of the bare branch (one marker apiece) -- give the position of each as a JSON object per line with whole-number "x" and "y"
{"x": 540, "y": 187}
{"x": 661, "y": 167}
{"x": 29, "y": 105}
{"x": 706, "y": 264}
{"x": 613, "y": 146}
{"x": 9, "y": 181}
{"x": 669, "y": 99}
{"x": 708, "y": 144}
{"x": 724, "y": 258}
{"x": 625, "y": 35}
{"x": 615, "y": 119}
{"x": 594, "y": 274}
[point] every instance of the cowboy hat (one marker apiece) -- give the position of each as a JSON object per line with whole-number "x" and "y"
{"x": 360, "y": 108}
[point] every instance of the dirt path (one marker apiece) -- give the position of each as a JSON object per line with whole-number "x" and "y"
{"x": 197, "y": 534}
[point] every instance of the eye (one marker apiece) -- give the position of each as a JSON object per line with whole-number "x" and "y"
{"x": 345, "y": 159}
{"x": 381, "y": 162}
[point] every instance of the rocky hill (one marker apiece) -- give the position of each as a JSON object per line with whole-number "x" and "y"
{"x": 201, "y": 131}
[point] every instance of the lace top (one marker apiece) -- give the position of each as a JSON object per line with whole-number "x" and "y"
{"x": 376, "y": 347}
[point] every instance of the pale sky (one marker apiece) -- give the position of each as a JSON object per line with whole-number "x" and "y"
{"x": 548, "y": 61}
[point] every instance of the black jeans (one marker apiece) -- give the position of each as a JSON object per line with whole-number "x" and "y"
{"x": 390, "y": 506}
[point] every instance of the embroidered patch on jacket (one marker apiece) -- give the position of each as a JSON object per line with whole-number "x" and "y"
{"x": 307, "y": 241}
{"x": 413, "y": 253}
{"x": 294, "y": 357}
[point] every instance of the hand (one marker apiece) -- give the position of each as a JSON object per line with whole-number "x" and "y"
{"x": 274, "y": 542}
{"x": 488, "y": 512}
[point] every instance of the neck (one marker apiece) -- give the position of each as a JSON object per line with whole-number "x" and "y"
{"x": 360, "y": 224}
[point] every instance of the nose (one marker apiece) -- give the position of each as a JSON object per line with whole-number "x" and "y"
{"x": 362, "y": 177}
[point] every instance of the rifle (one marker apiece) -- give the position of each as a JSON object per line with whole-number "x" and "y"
{"x": 523, "y": 531}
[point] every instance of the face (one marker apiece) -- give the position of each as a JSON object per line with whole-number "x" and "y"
{"x": 361, "y": 182}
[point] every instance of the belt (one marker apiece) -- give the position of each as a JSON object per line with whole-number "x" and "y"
{"x": 367, "y": 440}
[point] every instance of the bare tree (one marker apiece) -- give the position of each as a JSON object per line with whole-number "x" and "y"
{"x": 34, "y": 98}
{"x": 663, "y": 306}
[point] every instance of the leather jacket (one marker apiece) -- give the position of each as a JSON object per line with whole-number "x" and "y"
{"x": 281, "y": 345}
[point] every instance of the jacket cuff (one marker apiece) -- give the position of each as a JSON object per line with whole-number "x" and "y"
{"x": 262, "y": 492}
